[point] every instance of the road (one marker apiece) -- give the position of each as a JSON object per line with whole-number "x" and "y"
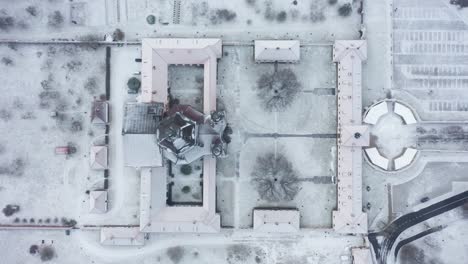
{"x": 393, "y": 230}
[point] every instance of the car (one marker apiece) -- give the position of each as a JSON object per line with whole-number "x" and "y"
{"x": 424, "y": 199}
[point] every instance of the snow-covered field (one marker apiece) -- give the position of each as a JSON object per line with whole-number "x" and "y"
{"x": 83, "y": 247}
{"x": 255, "y": 129}
{"x": 39, "y": 81}
{"x": 309, "y": 20}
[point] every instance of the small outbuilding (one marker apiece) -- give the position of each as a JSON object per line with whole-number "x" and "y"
{"x": 98, "y": 158}
{"x": 276, "y": 220}
{"x": 122, "y": 236}
{"x": 98, "y": 202}
{"x": 100, "y": 113}
{"x": 277, "y": 51}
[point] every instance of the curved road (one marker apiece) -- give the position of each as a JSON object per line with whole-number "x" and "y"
{"x": 393, "y": 231}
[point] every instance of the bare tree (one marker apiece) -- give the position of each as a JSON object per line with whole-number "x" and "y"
{"x": 317, "y": 12}
{"x": 278, "y": 90}
{"x": 275, "y": 178}
{"x": 7, "y": 61}
{"x": 238, "y": 253}
{"x": 219, "y": 16}
{"x": 32, "y": 10}
{"x": 55, "y": 19}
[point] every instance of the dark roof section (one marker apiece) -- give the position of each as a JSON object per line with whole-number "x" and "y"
{"x": 142, "y": 118}
{"x": 187, "y": 111}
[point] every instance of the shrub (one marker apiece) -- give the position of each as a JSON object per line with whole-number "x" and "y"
{"x": 10, "y": 209}
{"x": 151, "y": 19}
{"x": 6, "y": 22}
{"x": 186, "y": 169}
{"x": 133, "y": 84}
{"x": 175, "y": 254}
{"x": 281, "y": 17}
{"x": 186, "y": 189}
{"x": 7, "y": 61}
{"x": 118, "y": 35}
{"x": 345, "y": 10}
{"x": 219, "y": 16}
{"x": 33, "y": 249}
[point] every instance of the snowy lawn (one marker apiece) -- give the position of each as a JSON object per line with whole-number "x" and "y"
{"x": 41, "y": 80}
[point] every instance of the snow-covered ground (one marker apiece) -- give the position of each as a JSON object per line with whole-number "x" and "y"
{"x": 254, "y": 129}
{"x": 83, "y": 247}
{"x": 39, "y": 81}
{"x": 309, "y": 20}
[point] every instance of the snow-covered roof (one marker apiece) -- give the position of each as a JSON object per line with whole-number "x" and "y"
{"x": 122, "y": 236}
{"x": 349, "y": 218}
{"x": 98, "y": 202}
{"x": 158, "y": 53}
{"x": 277, "y": 50}
{"x": 157, "y": 216}
{"x": 376, "y": 158}
{"x": 343, "y": 48}
{"x": 141, "y": 150}
{"x": 406, "y": 158}
{"x": 375, "y": 112}
{"x": 98, "y": 157}
{"x": 355, "y": 136}
{"x": 276, "y": 221}
{"x": 100, "y": 112}
{"x": 405, "y": 113}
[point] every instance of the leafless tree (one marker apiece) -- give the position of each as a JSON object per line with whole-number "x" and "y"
{"x": 278, "y": 90}
{"x": 275, "y": 178}
{"x": 91, "y": 85}
{"x": 317, "y": 12}
{"x": 7, "y": 61}
{"x": 238, "y": 253}
{"x": 219, "y": 16}
{"x": 32, "y": 10}
{"x": 55, "y": 19}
